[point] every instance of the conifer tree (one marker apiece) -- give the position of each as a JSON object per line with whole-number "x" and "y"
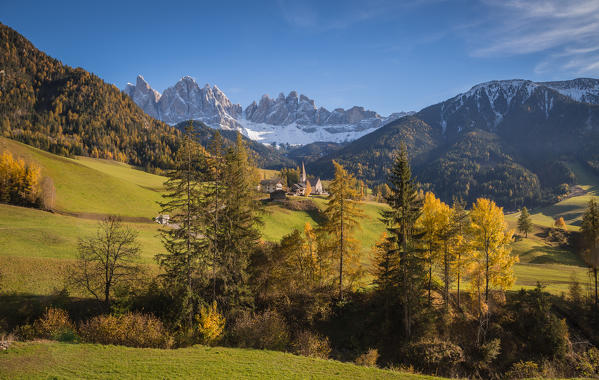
{"x": 524, "y": 222}
{"x": 213, "y": 205}
{"x": 342, "y": 215}
{"x": 240, "y": 218}
{"x": 400, "y": 220}
{"x": 184, "y": 241}
{"x": 590, "y": 232}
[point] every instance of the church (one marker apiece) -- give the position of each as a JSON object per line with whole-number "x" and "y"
{"x": 300, "y": 187}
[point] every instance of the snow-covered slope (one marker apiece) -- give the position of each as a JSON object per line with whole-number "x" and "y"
{"x": 290, "y": 119}
{"x": 487, "y": 105}
{"x": 582, "y": 89}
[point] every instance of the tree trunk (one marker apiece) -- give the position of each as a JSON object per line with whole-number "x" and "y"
{"x": 595, "y": 274}
{"x": 459, "y": 271}
{"x": 446, "y": 262}
{"x": 406, "y": 285}
{"x": 341, "y": 254}
{"x": 107, "y": 297}
{"x": 487, "y": 274}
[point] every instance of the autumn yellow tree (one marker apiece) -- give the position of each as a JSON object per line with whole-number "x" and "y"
{"x": 433, "y": 222}
{"x": 461, "y": 244}
{"x": 343, "y": 214}
{"x": 493, "y": 264}
{"x": 560, "y": 223}
{"x": 308, "y": 190}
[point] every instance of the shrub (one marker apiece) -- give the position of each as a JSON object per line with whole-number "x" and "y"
{"x": 210, "y": 324}
{"x": 266, "y": 330}
{"x": 592, "y": 356}
{"x": 55, "y": 324}
{"x": 25, "y": 332}
{"x": 311, "y": 344}
{"x": 435, "y": 356}
{"x": 369, "y": 358}
{"x": 131, "y": 329}
{"x": 523, "y": 370}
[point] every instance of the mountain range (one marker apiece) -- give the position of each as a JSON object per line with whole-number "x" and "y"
{"x": 515, "y": 141}
{"x": 292, "y": 119}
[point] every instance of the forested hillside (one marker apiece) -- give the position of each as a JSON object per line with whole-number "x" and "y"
{"x": 507, "y": 140}
{"x": 70, "y": 111}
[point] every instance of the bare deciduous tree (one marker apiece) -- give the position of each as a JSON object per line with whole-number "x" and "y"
{"x": 106, "y": 260}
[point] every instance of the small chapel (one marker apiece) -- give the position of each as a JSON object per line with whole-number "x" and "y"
{"x": 300, "y": 187}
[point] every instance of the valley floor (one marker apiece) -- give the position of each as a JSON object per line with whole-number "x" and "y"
{"x": 36, "y": 246}
{"x": 42, "y": 360}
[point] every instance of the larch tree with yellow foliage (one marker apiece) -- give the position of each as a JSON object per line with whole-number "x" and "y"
{"x": 493, "y": 264}
{"x": 461, "y": 243}
{"x": 342, "y": 215}
{"x": 432, "y": 222}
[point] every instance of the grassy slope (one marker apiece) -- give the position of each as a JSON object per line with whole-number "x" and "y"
{"x": 94, "y": 186}
{"x": 545, "y": 262}
{"x": 44, "y": 241}
{"x": 35, "y": 246}
{"x": 75, "y": 361}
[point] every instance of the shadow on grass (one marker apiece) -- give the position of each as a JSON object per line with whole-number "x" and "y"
{"x": 19, "y": 309}
{"x": 555, "y": 255}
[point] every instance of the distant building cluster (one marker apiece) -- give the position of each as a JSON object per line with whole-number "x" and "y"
{"x": 276, "y": 189}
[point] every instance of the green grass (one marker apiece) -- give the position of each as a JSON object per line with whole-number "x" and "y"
{"x": 279, "y": 221}
{"x": 94, "y": 186}
{"x": 43, "y": 360}
{"x": 36, "y": 246}
{"x": 547, "y": 262}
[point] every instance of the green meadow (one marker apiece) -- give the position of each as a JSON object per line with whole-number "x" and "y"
{"x": 45, "y": 360}
{"x": 36, "y": 246}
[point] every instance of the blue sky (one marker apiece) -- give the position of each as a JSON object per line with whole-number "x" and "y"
{"x": 387, "y": 56}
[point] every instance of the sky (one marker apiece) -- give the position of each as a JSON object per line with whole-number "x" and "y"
{"x": 387, "y": 56}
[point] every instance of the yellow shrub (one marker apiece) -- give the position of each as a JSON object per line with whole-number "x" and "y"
{"x": 54, "y": 324}
{"x": 210, "y": 324}
{"x": 132, "y": 329}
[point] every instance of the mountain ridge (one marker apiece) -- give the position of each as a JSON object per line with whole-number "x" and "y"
{"x": 292, "y": 119}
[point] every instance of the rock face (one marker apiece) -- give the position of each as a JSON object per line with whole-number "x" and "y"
{"x": 186, "y": 100}
{"x": 144, "y": 96}
{"x": 290, "y": 119}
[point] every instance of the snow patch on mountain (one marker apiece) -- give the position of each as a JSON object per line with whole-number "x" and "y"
{"x": 290, "y": 119}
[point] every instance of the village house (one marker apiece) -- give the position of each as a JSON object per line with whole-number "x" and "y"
{"x": 271, "y": 185}
{"x": 162, "y": 219}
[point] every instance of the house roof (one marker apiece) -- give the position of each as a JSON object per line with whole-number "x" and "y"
{"x": 272, "y": 181}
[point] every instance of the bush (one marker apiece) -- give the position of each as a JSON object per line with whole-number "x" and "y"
{"x": 266, "y": 330}
{"x": 435, "y": 356}
{"x": 132, "y": 329}
{"x": 369, "y": 358}
{"x": 55, "y": 324}
{"x": 210, "y": 324}
{"x": 311, "y": 344}
{"x": 523, "y": 370}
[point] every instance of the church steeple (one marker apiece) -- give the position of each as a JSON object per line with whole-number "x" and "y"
{"x": 303, "y": 173}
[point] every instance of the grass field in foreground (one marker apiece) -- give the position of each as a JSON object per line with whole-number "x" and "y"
{"x": 43, "y": 360}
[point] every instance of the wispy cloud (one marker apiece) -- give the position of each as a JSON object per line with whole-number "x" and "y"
{"x": 565, "y": 31}
{"x": 315, "y": 17}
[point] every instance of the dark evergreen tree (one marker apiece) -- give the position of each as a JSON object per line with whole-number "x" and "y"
{"x": 406, "y": 205}
{"x": 590, "y": 232}
{"x": 524, "y": 222}
{"x": 240, "y": 221}
{"x": 185, "y": 262}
